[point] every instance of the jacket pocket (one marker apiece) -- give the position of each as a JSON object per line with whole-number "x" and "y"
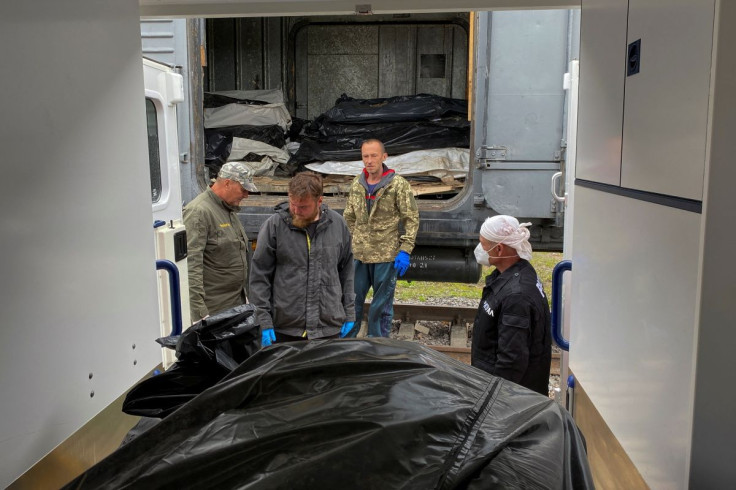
{"x": 515, "y": 321}
{"x": 513, "y": 338}
{"x": 332, "y": 312}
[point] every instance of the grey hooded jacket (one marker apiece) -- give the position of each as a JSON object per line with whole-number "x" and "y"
{"x": 301, "y": 285}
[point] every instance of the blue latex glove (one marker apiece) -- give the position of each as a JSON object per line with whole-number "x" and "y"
{"x": 346, "y": 328}
{"x": 401, "y": 262}
{"x": 268, "y": 337}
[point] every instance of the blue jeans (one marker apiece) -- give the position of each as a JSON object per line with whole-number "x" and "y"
{"x": 382, "y": 277}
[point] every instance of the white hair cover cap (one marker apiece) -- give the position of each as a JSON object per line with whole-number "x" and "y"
{"x": 507, "y": 230}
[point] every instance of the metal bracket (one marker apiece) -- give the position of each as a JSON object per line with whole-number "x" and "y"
{"x": 485, "y": 155}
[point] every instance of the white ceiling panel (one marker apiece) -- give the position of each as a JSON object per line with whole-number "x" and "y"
{"x": 237, "y": 8}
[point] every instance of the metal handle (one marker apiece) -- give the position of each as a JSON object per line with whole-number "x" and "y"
{"x": 174, "y": 292}
{"x": 561, "y": 267}
{"x": 555, "y": 181}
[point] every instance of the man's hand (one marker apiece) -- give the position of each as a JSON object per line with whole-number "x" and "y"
{"x": 346, "y": 328}
{"x": 401, "y": 262}
{"x": 268, "y": 337}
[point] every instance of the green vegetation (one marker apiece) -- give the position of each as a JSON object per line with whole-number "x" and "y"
{"x": 411, "y": 292}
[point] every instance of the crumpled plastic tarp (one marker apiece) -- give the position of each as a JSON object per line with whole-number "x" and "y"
{"x": 397, "y": 138}
{"x": 322, "y": 129}
{"x": 242, "y": 146}
{"x": 357, "y": 414}
{"x": 219, "y": 141}
{"x": 247, "y": 114}
{"x": 440, "y": 163}
{"x": 404, "y": 124}
{"x": 206, "y": 352}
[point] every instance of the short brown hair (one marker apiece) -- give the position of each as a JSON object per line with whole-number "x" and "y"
{"x": 374, "y": 140}
{"x": 306, "y": 184}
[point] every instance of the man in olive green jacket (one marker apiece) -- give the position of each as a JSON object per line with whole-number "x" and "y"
{"x": 379, "y": 201}
{"x": 217, "y": 244}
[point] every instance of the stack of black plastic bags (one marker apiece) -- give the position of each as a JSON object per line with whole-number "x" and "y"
{"x": 404, "y": 124}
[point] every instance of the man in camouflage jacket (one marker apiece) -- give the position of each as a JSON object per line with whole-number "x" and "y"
{"x": 217, "y": 244}
{"x": 379, "y": 201}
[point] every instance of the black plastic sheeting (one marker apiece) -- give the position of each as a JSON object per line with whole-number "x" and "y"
{"x": 397, "y": 138}
{"x": 297, "y": 128}
{"x": 404, "y": 124}
{"x": 219, "y": 141}
{"x": 348, "y": 110}
{"x": 206, "y": 353}
{"x": 358, "y": 414}
{"x": 326, "y": 129}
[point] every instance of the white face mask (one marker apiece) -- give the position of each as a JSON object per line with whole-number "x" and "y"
{"x": 481, "y": 254}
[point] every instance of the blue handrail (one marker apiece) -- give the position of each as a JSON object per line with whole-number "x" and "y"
{"x": 174, "y": 292}
{"x": 561, "y": 267}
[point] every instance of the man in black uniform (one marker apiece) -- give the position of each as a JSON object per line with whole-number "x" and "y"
{"x": 511, "y": 333}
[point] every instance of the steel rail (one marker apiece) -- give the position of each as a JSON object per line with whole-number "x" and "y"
{"x": 455, "y": 315}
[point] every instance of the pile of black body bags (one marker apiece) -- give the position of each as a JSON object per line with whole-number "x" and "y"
{"x": 404, "y": 124}
{"x": 349, "y": 413}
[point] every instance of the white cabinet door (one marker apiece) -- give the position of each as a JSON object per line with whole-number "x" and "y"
{"x": 666, "y": 103}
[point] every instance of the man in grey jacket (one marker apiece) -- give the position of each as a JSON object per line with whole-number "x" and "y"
{"x": 217, "y": 243}
{"x": 301, "y": 277}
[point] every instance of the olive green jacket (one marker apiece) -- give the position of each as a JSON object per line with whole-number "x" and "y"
{"x": 217, "y": 255}
{"x": 376, "y": 233}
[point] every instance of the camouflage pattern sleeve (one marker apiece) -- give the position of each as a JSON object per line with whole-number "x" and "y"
{"x": 409, "y": 214}
{"x": 350, "y": 203}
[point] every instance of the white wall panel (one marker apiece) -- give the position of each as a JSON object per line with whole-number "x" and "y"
{"x": 79, "y": 287}
{"x": 666, "y": 108}
{"x": 602, "y": 73}
{"x": 634, "y": 290}
{"x": 713, "y": 462}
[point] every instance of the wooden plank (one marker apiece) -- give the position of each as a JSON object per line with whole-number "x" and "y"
{"x": 611, "y": 466}
{"x": 432, "y": 189}
{"x": 280, "y": 185}
{"x": 460, "y": 354}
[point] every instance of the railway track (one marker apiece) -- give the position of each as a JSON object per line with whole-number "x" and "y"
{"x": 457, "y": 318}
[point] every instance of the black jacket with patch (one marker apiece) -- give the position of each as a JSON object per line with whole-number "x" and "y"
{"x": 511, "y": 333}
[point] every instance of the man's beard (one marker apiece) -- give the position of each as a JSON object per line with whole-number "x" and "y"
{"x": 303, "y": 222}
